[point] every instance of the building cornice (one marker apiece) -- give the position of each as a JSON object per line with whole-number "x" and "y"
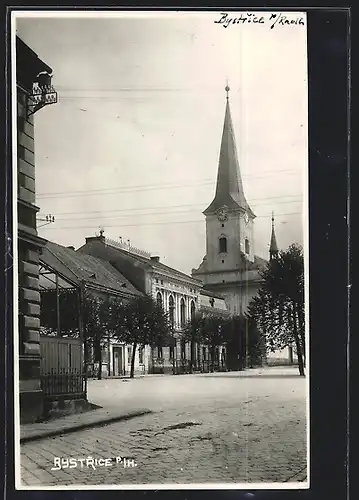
{"x": 28, "y": 205}
{"x": 30, "y": 237}
{"x": 160, "y": 273}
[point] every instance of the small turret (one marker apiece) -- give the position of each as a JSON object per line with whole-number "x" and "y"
{"x": 273, "y": 249}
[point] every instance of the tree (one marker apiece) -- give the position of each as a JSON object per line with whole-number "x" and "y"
{"x": 96, "y": 319}
{"x": 192, "y": 332}
{"x": 139, "y": 322}
{"x": 243, "y": 342}
{"x": 213, "y": 333}
{"x": 278, "y": 308}
{"x": 59, "y": 314}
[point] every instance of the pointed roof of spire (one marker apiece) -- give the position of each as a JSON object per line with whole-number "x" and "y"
{"x": 229, "y": 190}
{"x": 273, "y": 249}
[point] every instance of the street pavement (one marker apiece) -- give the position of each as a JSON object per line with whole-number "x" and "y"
{"x": 237, "y": 427}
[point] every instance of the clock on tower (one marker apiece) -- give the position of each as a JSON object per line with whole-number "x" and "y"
{"x": 222, "y": 213}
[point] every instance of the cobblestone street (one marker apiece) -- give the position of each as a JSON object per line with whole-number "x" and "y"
{"x": 225, "y": 428}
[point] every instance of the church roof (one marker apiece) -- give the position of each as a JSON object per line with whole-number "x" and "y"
{"x": 252, "y": 267}
{"x": 273, "y": 241}
{"x": 229, "y": 190}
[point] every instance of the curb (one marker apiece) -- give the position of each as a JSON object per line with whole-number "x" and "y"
{"x": 82, "y": 426}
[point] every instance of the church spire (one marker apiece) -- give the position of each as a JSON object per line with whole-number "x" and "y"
{"x": 229, "y": 190}
{"x": 273, "y": 249}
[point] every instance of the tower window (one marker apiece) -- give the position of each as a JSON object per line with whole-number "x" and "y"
{"x": 222, "y": 225}
{"x": 223, "y": 245}
{"x": 246, "y": 246}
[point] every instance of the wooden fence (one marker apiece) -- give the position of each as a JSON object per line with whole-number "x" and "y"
{"x": 61, "y": 367}
{"x": 60, "y": 353}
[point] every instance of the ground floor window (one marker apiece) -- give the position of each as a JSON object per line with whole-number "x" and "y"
{"x": 204, "y": 353}
{"x": 129, "y": 352}
{"x": 159, "y": 352}
{"x": 140, "y": 355}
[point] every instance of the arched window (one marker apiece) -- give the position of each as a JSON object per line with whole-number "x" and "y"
{"x": 246, "y": 246}
{"x": 223, "y": 244}
{"x": 159, "y": 299}
{"x": 183, "y": 312}
{"x": 193, "y": 309}
{"x": 171, "y": 307}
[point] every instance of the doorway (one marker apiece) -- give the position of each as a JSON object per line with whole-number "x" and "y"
{"x": 117, "y": 361}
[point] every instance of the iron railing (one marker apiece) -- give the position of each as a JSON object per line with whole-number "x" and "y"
{"x": 67, "y": 382}
{"x": 186, "y": 366}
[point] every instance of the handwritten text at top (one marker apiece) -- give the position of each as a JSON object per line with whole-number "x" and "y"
{"x": 270, "y": 19}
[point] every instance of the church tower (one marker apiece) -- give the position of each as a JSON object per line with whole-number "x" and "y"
{"x": 230, "y": 266}
{"x": 229, "y": 219}
{"x": 273, "y": 248}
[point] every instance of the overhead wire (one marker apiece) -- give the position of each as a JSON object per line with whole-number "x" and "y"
{"x": 149, "y": 214}
{"x": 146, "y": 187}
{"x": 160, "y": 223}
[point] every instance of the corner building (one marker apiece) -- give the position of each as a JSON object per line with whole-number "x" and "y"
{"x": 28, "y": 66}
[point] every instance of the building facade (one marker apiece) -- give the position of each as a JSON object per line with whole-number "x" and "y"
{"x": 66, "y": 272}
{"x": 179, "y": 294}
{"x": 28, "y": 67}
{"x": 230, "y": 266}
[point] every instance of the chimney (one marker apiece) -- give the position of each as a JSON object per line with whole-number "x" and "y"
{"x": 100, "y": 238}
{"x": 155, "y": 258}
{"x": 71, "y": 247}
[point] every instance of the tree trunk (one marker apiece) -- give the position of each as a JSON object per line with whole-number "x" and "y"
{"x": 99, "y": 371}
{"x": 297, "y": 343}
{"x": 212, "y": 358}
{"x": 301, "y": 327}
{"x": 86, "y": 354}
{"x": 192, "y": 358}
{"x": 132, "y": 373}
{"x": 290, "y": 348}
{"x": 174, "y": 354}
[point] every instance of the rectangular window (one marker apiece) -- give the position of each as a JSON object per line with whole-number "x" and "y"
{"x": 159, "y": 352}
{"x": 172, "y": 352}
{"x": 204, "y": 353}
{"x": 129, "y": 352}
{"x": 140, "y": 355}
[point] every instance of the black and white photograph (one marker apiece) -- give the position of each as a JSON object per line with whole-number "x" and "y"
{"x": 160, "y": 190}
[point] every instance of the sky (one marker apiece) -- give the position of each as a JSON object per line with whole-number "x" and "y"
{"x": 132, "y": 145}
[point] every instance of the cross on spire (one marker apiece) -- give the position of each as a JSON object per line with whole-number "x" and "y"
{"x": 227, "y": 89}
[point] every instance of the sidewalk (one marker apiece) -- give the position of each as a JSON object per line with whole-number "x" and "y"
{"x": 72, "y": 423}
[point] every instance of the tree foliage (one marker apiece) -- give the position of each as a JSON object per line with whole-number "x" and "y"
{"x": 139, "y": 322}
{"x": 278, "y": 308}
{"x": 68, "y": 320}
